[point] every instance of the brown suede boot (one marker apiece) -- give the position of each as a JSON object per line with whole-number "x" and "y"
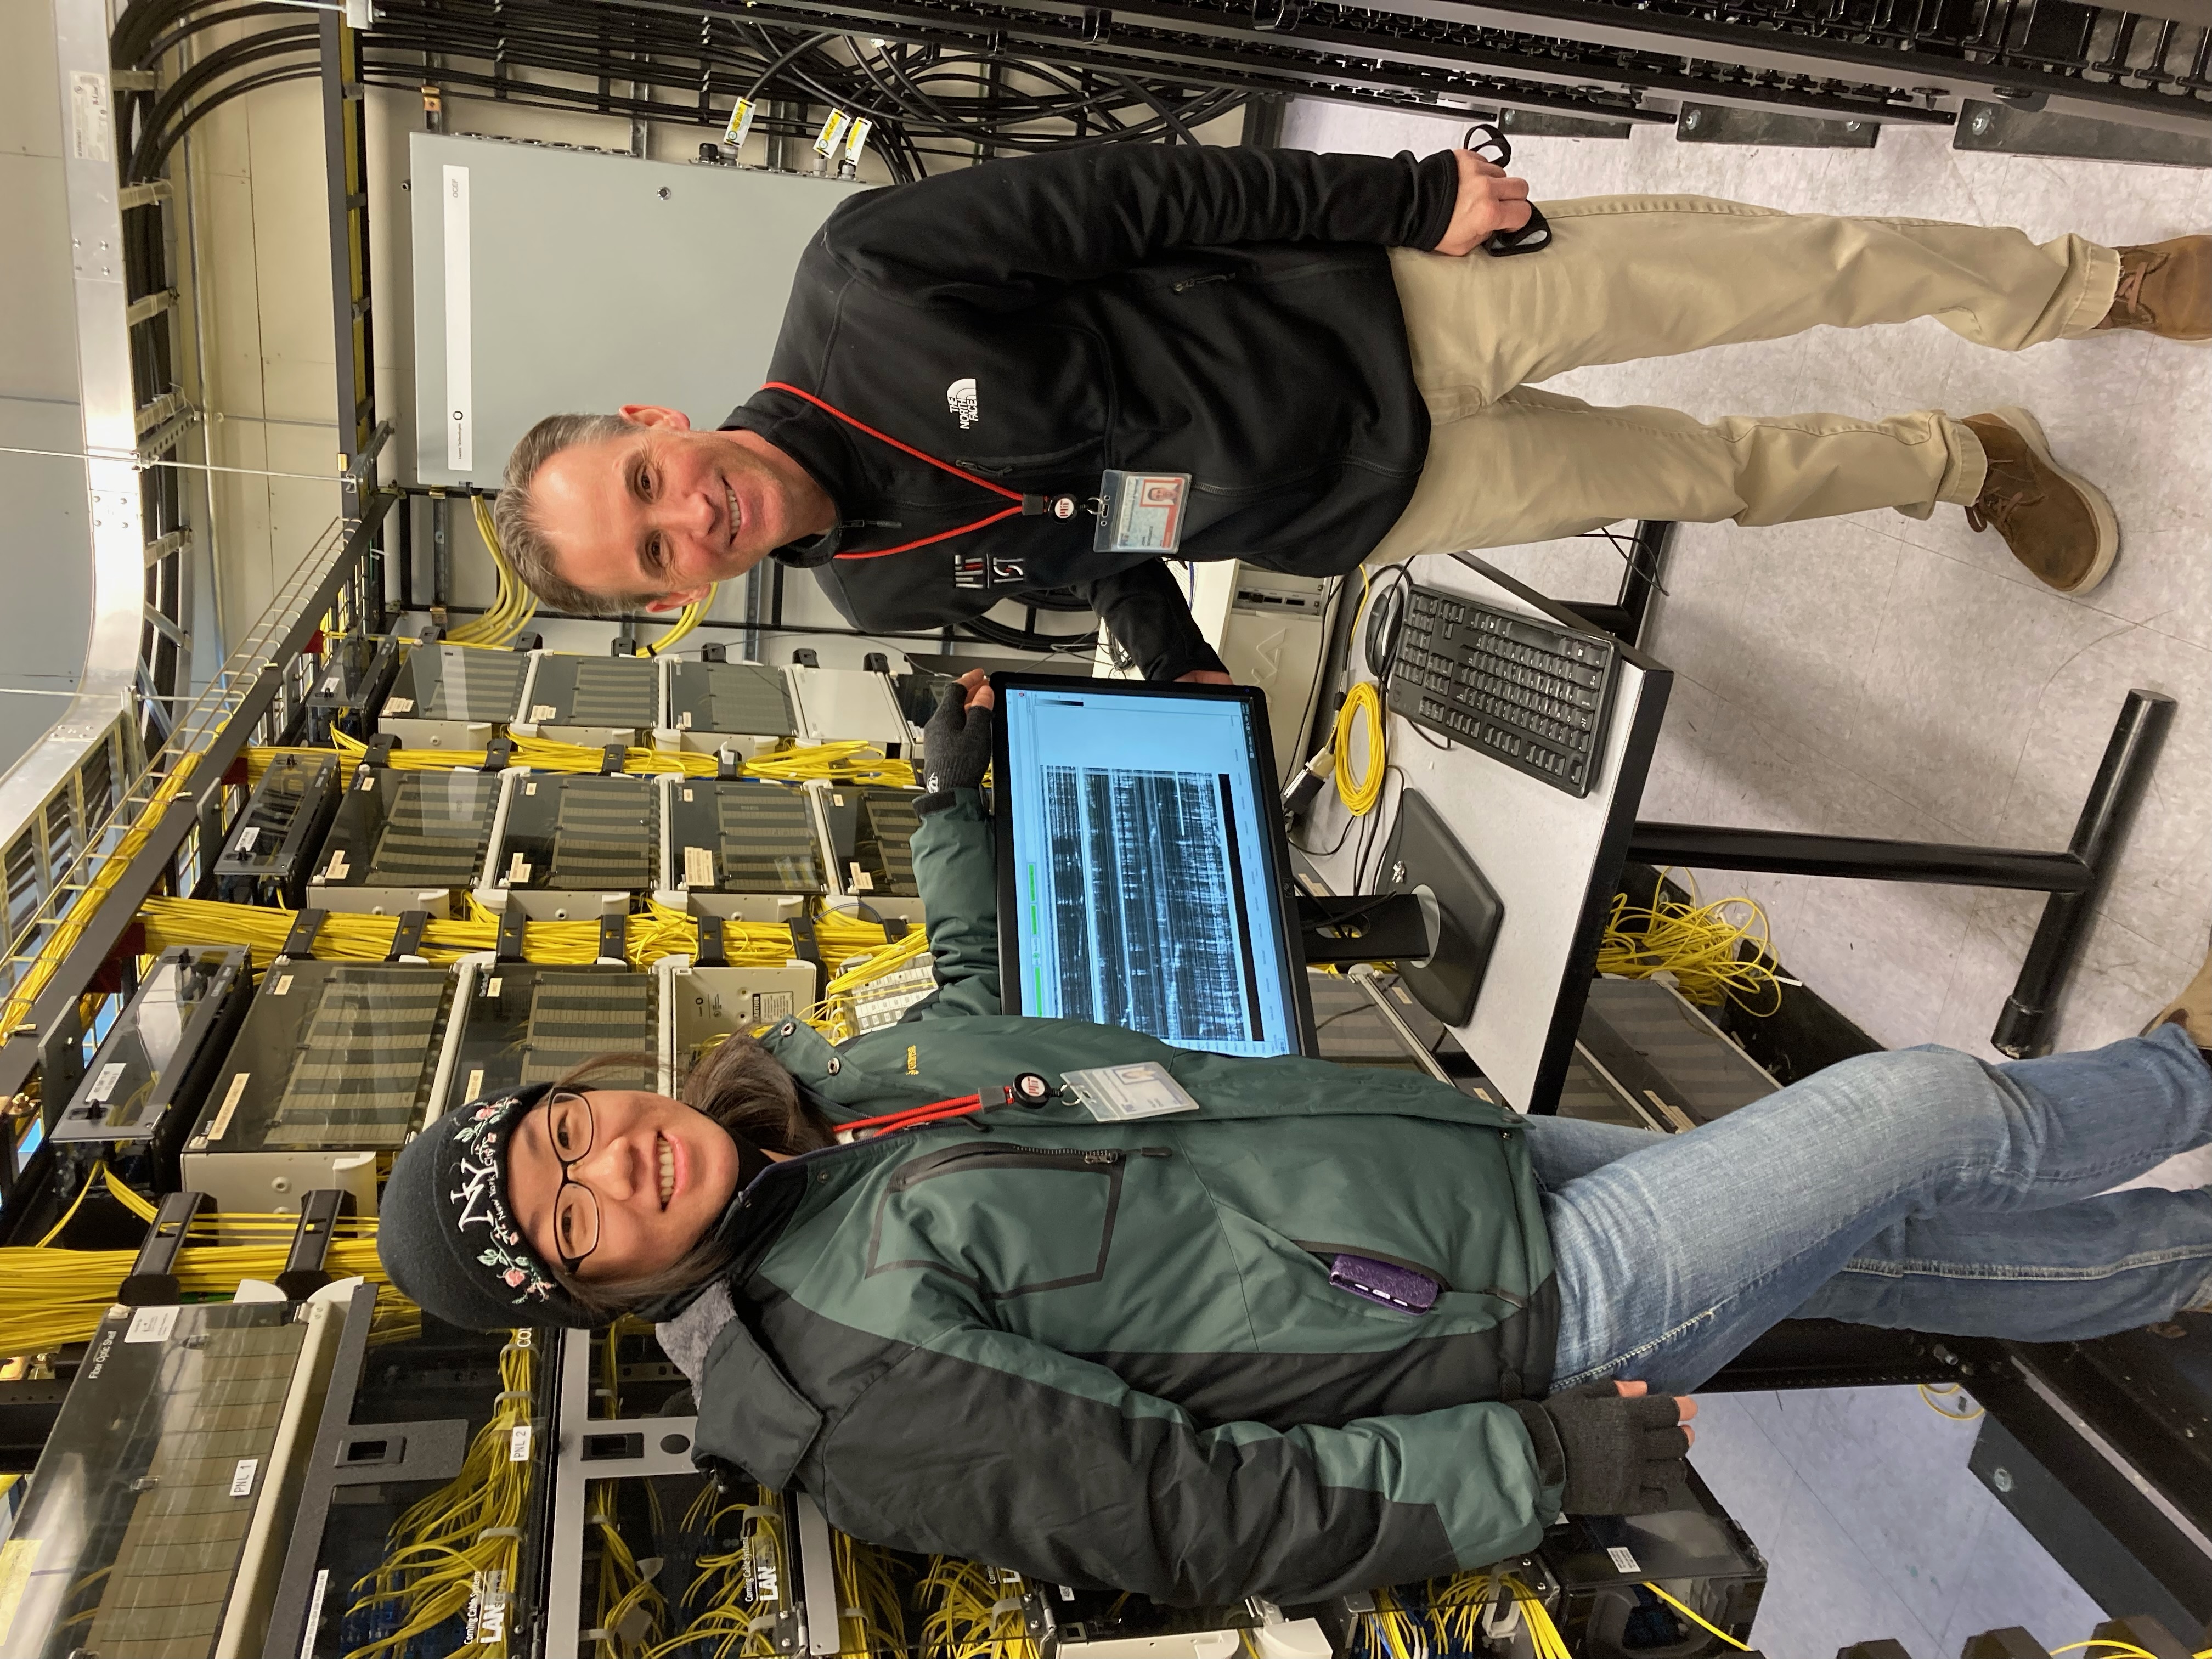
{"x": 2166, "y": 289}
{"x": 2057, "y": 524}
{"x": 2191, "y": 1010}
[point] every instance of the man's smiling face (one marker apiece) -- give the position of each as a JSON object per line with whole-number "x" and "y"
{"x": 658, "y": 515}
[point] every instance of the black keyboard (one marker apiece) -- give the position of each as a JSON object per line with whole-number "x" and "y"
{"x": 1521, "y": 690}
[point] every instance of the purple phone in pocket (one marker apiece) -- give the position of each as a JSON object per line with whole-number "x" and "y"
{"x": 1401, "y": 1288}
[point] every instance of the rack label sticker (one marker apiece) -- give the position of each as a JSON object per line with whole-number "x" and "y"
{"x": 518, "y": 1443}
{"x": 283, "y": 987}
{"x": 1623, "y": 1559}
{"x": 103, "y": 1086}
{"x": 249, "y": 838}
{"x": 475, "y": 1091}
{"x": 88, "y": 115}
{"x": 1115, "y": 1094}
{"x": 241, "y": 1478}
{"x": 400, "y": 705}
{"x": 518, "y": 869}
{"x": 741, "y": 122}
{"x": 862, "y": 881}
{"x": 17, "y": 1557}
{"x": 314, "y": 1614}
{"x": 529, "y": 788}
{"x": 683, "y": 724}
{"x": 543, "y": 711}
{"x": 231, "y": 1097}
{"x": 698, "y": 867}
{"x": 336, "y": 870}
{"x": 492, "y": 985}
{"x": 151, "y": 1325}
{"x": 460, "y": 353}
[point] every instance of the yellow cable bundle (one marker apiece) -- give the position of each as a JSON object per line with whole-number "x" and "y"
{"x": 871, "y": 1615}
{"x": 974, "y": 1613}
{"x": 258, "y": 757}
{"x": 1543, "y": 1635}
{"x": 686, "y": 620}
{"x": 1390, "y": 1631}
{"x": 647, "y": 936}
{"x": 58, "y": 1296}
{"x": 513, "y": 605}
{"x": 1697, "y": 942}
{"x": 1363, "y": 708}
{"x": 743, "y": 1587}
{"x": 459, "y": 1547}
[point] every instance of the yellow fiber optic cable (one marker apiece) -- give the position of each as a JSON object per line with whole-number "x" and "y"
{"x": 258, "y": 757}
{"x": 1698, "y": 1618}
{"x": 58, "y": 1296}
{"x": 1697, "y": 944}
{"x": 458, "y": 1548}
{"x": 1542, "y": 1633}
{"x": 686, "y": 620}
{"x": 1362, "y": 708}
{"x": 71, "y": 925}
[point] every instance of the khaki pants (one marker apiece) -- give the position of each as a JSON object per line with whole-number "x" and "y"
{"x": 1629, "y": 276}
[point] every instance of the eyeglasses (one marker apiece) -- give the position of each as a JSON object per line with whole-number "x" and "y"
{"x": 568, "y": 1130}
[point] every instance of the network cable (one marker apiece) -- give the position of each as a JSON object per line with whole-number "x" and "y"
{"x": 1698, "y": 944}
{"x": 458, "y": 1550}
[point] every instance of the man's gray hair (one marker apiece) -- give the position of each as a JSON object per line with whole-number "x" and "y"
{"x": 528, "y": 548}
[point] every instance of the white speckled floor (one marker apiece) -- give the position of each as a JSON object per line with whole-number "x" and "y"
{"x": 1878, "y": 676}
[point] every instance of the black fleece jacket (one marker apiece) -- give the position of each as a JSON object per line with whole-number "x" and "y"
{"x": 1228, "y": 314}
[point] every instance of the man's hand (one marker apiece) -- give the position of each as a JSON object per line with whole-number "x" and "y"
{"x": 1488, "y": 201}
{"x": 1204, "y": 677}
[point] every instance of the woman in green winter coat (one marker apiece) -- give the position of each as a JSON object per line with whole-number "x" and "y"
{"x": 1331, "y": 1329}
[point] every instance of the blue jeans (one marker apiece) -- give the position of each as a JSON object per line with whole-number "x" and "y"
{"x": 1921, "y": 1189}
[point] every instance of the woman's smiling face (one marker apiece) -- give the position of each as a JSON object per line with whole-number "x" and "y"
{"x": 653, "y": 1175}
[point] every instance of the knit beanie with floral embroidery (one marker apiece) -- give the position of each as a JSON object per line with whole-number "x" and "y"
{"x": 446, "y": 1235}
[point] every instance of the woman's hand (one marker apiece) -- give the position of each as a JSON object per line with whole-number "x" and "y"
{"x": 1489, "y": 201}
{"x": 1625, "y": 1448}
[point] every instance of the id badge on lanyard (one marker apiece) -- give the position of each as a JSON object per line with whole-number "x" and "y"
{"x": 1140, "y": 512}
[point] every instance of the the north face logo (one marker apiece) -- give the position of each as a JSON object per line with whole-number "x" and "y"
{"x": 960, "y": 399}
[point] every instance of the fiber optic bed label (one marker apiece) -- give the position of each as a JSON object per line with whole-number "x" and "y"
{"x": 1624, "y": 1560}
{"x": 151, "y": 1325}
{"x": 103, "y": 1086}
{"x": 518, "y": 1443}
{"x": 698, "y": 867}
{"x": 236, "y": 1093}
{"x": 400, "y": 705}
{"x": 249, "y": 838}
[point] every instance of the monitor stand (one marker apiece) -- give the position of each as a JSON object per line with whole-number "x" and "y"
{"x": 1432, "y": 912}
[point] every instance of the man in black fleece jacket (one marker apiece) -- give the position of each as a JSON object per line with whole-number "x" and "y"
{"x": 1317, "y": 342}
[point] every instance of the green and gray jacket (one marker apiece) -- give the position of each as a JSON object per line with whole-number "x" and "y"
{"x": 1109, "y": 1355}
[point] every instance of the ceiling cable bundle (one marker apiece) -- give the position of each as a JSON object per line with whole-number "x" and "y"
{"x": 457, "y": 1551}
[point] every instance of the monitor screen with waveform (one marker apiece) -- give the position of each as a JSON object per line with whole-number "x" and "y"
{"x": 1141, "y": 864}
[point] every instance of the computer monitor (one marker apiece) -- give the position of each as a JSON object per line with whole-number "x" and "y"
{"x": 1143, "y": 878}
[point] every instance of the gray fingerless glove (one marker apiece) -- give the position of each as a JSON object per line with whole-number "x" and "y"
{"x": 955, "y": 749}
{"x": 1616, "y": 1456}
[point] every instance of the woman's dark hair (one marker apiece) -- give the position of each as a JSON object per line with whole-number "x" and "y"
{"x": 742, "y": 1087}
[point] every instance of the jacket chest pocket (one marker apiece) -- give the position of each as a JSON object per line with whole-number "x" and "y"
{"x": 1008, "y": 1220}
